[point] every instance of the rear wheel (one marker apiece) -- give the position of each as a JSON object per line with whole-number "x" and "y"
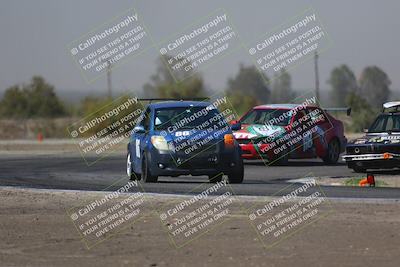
{"x": 333, "y": 152}
{"x": 146, "y": 172}
{"x": 237, "y": 174}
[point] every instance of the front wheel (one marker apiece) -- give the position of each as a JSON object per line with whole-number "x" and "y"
{"x": 237, "y": 174}
{"x": 129, "y": 170}
{"x": 146, "y": 172}
{"x": 333, "y": 152}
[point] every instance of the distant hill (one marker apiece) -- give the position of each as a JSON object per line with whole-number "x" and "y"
{"x": 74, "y": 96}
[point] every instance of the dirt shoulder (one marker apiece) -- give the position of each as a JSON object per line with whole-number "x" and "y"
{"x": 36, "y": 231}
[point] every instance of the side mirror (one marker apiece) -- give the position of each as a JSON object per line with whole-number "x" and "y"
{"x": 139, "y": 129}
{"x": 365, "y": 130}
{"x": 236, "y": 126}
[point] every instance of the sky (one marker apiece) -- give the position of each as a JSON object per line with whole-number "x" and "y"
{"x": 35, "y": 37}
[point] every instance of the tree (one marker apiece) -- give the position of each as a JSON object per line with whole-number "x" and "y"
{"x": 14, "y": 103}
{"x": 374, "y": 86}
{"x": 162, "y": 83}
{"x": 251, "y": 82}
{"x": 282, "y": 88}
{"x": 362, "y": 112}
{"x": 192, "y": 87}
{"x": 43, "y": 101}
{"x": 241, "y": 101}
{"x": 343, "y": 82}
{"x": 34, "y": 100}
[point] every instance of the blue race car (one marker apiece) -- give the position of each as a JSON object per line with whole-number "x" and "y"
{"x": 175, "y": 138}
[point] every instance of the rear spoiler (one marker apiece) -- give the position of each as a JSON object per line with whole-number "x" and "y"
{"x": 347, "y": 110}
{"x": 175, "y": 99}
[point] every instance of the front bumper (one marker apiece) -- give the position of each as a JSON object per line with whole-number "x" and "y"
{"x": 366, "y": 157}
{"x": 250, "y": 151}
{"x": 168, "y": 164}
{"x": 373, "y": 161}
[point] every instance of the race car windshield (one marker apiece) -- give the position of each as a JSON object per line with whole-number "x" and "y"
{"x": 188, "y": 118}
{"x": 386, "y": 123}
{"x": 277, "y": 117}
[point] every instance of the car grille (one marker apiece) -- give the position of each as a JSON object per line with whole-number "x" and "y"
{"x": 197, "y": 164}
{"x": 373, "y": 149}
{"x": 203, "y": 150}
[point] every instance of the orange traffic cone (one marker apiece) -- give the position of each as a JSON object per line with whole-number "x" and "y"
{"x": 363, "y": 182}
{"x": 370, "y": 180}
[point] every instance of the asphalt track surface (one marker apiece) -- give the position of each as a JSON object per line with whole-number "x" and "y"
{"x": 70, "y": 172}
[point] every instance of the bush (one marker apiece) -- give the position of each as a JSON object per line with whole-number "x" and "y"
{"x": 34, "y": 100}
{"x": 362, "y": 113}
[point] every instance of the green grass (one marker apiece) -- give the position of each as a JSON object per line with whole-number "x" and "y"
{"x": 355, "y": 180}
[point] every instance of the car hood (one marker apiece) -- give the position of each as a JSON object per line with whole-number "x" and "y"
{"x": 255, "y": 131}
{"x": 379, "y": 138}
{"x": 192, "y": 135}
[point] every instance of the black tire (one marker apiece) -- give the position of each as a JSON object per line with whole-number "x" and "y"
{"x": 359, "y": 170}
{"x": 333, "y": 154}
{"x": 237, "y": 174}
{"x": 215, "y": 178}
{"x": 146, "y": 172}
{"x": 129, "y": 170}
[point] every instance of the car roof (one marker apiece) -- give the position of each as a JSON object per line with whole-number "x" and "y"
{"x": 175, "y": 104}
{"x": 391, "y": 104}
{"x": 395, "y": 106}
{"x": 278, "y": 106}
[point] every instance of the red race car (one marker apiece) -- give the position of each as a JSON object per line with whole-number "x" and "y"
{"x": 279, "y": 132}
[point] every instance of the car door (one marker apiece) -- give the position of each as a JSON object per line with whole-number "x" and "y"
{"x": 323, "y": 127}
{"x": 139, "y": 141}
{"x": 304, "y": 147}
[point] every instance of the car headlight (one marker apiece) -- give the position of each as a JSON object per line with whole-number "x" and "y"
{"x": 160, "y": 143}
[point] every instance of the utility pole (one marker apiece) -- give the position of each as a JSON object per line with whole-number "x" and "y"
{"x": 316, "y": 75}
{"x": 109, "y": 79}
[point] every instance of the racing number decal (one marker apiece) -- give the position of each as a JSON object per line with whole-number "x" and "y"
{"x": 307, "y": 141}
{"x": 183, "y": 133}
{"x": 137, "y": 145}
